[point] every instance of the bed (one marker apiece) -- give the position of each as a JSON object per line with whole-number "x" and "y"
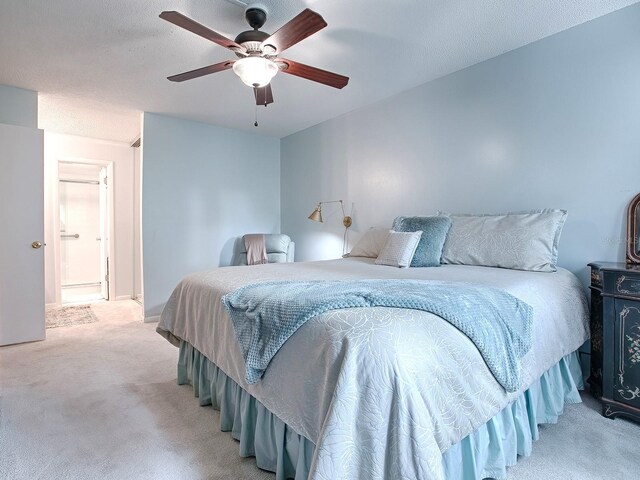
{"x": 365, "y": 393}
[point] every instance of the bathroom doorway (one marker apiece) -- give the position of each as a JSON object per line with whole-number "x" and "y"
{"x": 84, "y": 209}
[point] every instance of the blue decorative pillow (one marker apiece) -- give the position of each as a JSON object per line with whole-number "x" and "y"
{"x": 434, "y": 233}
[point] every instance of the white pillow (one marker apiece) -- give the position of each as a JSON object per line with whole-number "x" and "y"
{"x": 371, "y": 243}
{"x": 519, "y": 240}
{"x": 399, "y": 248}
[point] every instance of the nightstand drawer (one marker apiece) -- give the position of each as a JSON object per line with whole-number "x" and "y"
{"x": 627, "y": 284}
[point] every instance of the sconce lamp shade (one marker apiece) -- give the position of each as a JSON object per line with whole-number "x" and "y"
{"x": 316, "y": 215}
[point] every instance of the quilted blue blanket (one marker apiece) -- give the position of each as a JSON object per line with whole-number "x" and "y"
{"x": 265, "y": 315}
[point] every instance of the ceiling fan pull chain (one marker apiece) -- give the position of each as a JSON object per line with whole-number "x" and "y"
{"x": 256, "y": 122}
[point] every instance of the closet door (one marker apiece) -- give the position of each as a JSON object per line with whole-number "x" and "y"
{"x": 22, "y": 234}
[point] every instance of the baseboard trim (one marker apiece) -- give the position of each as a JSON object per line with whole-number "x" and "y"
{"x": 123, "y": 297}
{"x": 152, "y": 319}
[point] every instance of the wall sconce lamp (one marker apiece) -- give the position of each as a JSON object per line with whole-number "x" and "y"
{"x": 316, "y": 216}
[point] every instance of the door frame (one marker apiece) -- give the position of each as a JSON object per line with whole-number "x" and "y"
{"x": 110, "y": 222}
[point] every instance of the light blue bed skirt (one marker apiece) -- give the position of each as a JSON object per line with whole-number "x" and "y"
{"x": 485, "y": 453}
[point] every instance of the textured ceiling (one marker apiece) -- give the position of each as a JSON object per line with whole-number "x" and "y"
{"x": 97, "y": 64}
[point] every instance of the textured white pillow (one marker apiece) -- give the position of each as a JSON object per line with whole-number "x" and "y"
{"x": 519, "y": 240}
{"x": 371, "y": 243}
{"x": 399, "y": 248}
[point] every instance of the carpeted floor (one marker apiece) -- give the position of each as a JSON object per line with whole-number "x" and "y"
{"x": 99, "y": 401}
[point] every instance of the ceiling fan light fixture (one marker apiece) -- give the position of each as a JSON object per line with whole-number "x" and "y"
{"x": 255, "y": 71}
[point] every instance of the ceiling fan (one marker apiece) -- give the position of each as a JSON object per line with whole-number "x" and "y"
{"x": 258, "y": 52}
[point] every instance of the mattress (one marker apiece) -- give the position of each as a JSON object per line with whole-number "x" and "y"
{"x": 381, "y": 392}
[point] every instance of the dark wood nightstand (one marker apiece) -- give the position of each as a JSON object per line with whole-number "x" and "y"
{"x": 615, "y": 338}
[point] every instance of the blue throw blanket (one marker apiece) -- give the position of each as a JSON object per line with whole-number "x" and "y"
{"x": 265, "y": 315}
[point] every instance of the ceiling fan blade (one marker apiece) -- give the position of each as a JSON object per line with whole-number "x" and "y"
{"x": 312, "y": 73}
{"x": 200, "y": 72}
{"x": 194, "y": 27}
{"x": 264, "y": 95}
{"x": 297, "y": 29}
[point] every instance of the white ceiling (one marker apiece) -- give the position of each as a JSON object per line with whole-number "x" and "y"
{"x": 98, "y": 64}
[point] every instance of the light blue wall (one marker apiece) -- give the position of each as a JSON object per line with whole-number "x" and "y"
{"x": 553, "y": 124}
{"x": 203, "y": 186}
{"x": 18, "y": 106}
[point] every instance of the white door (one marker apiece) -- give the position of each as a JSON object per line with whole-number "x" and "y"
{"x": 80, "y": 217}
{"x": 22, "y": 234}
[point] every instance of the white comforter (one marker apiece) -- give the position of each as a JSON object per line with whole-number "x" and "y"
{"x": 382, "y": 392}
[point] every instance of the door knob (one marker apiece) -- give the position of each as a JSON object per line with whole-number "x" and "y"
{"x": 36, "y": 244}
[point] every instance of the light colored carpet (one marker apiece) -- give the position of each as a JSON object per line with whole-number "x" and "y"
{"x": 100, "y": 401}
{"x": 55, "y": 317}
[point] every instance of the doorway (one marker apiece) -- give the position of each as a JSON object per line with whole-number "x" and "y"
{"x": 84, "y": 216}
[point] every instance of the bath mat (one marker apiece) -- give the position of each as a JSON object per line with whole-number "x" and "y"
{"x": 68, "y": 316}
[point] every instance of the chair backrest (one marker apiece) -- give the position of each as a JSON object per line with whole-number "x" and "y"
{"x": 280, "y": 249}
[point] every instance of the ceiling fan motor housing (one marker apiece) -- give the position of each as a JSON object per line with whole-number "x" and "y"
{"x": 251, "y": 36}
{"x": 252, "y": 40}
